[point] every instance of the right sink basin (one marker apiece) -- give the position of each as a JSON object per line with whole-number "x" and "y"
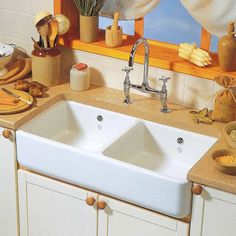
{"x": 159, "y": 148}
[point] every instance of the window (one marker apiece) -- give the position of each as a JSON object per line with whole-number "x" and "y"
{"x": 170, "y": 22}
{"x": 127, "y": 25}
{"x": 214, "y": 43}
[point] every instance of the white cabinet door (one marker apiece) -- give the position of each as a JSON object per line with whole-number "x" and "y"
{"x": 52, "y": 208}
{"x": 213, "y": 213}
{"x": 8, "y": 186}
{"x": 122, "y": 219}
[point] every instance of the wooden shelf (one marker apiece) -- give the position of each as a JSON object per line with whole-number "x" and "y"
{"x": 162, "y": 55}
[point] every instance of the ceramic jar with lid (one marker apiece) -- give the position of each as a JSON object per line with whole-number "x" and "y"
{"x": 79, "y": 77}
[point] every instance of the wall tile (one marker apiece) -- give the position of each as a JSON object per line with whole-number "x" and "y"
{"x": 20, "y": 26}
{"x": 198, "y": 93}
{"x": 2, "y": 4}
{"x": 2, "y": 23}
{"x": 30, "y": 7}
{"x": 3, "y": 39}
{"x": 175, "y": 85}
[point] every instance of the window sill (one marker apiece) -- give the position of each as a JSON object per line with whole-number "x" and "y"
{"x": 162, "y": 55}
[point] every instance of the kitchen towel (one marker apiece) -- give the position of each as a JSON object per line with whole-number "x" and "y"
{"x": 213, "y": 15}
{"x": 129, "y": 9}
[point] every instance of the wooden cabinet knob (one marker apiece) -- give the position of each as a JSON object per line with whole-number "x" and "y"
{"x": 101, "y": 205}
{"x": 197, "y": 189}
{"x": 90, "y": 201}
{"x": 6, "y": 133}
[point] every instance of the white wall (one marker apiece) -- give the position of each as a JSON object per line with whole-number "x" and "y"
{"x": 17, "y": 20}
{"x": 16, "y": 24}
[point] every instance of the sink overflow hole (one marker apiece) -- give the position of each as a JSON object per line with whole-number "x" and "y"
{"x": 99, "y": 118}
{"x": 180, "y": 140}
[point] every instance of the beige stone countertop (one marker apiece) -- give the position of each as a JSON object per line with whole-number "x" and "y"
{"x": 203, "y": 172}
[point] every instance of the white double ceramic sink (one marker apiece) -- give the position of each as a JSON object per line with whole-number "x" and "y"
{"x": 130, "y": 159}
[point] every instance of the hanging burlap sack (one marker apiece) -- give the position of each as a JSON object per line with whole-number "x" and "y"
{"x": 225, "y": 100}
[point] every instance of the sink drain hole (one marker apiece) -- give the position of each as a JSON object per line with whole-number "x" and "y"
{"x": 180, "y": 140}
{"x": 99, "y": 118}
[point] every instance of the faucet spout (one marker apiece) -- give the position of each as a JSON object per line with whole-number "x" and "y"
{"x": 146, "y": 57}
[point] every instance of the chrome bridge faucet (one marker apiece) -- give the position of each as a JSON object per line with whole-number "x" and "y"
{"x": 145, "y": 88}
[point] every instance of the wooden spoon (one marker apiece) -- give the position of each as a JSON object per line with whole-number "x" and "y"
{"x": 53, "y": 32}
{"x": 43, "y": 31}
{"x": 115, "y": 21}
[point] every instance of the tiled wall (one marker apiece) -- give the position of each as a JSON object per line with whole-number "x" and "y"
{"x": 16, "y": 24}
{"x": 183, "y": 89}
{"x": 16, "y": 20}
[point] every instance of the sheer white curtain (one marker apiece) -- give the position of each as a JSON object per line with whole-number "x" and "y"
{"x": 129, "y": 9}
{"x": 213, "y": 15}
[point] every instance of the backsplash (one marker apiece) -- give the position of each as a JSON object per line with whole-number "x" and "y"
{"x": 16, "y": 22}
{"x": 183, "y": 89}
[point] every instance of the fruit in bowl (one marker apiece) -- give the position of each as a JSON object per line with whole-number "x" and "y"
{"x": 6, "y": 53}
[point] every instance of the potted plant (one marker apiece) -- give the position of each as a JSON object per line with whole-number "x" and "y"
{"x": 89, "y": 15}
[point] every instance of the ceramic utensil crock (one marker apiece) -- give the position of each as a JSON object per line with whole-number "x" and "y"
{"x": 46, "y": 64}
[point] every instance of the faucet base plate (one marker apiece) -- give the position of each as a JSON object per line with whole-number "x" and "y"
{"x": 165, "y": 110}
{"x": 128, "y": 101}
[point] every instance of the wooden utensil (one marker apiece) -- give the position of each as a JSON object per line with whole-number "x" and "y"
{"x": 53, "y": 32}
{"x": 114, "y": 33}
{"x": 115, "y": 21}
{"x": 63, "y": 23}
{"x": 43, "y": 31}
{"x": 42, "y": 17}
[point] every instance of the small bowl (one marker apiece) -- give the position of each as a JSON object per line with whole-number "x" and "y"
{"x": 229, "y": 170}
{"x": 226, "y": 131}
{"x": 6, "y": 53}
{"x": 42, "y": 17}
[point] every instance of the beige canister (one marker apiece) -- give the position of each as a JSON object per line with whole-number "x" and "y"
{"x": 46, "y": 66}
{"x": 88, "y": 28}
{"x": 79, "y": 77}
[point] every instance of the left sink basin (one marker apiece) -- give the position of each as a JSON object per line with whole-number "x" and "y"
{"x": 77, "y": 125}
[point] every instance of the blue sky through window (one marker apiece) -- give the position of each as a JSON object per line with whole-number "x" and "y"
{"x": 168, "y": 22}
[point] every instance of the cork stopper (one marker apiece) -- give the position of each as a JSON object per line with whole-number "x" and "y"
{"x": 231, "y": 29}
{"x": 80, "y": 66}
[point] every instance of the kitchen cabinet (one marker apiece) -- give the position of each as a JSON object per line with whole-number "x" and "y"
{"x": 120, "y": 218}
{"x": 49, "y": 207}
{"x": 8, "y": 184}
{"x": 213, "y": 213}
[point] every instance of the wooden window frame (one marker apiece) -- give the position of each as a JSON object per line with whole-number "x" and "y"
{"x": 162, "y": 55}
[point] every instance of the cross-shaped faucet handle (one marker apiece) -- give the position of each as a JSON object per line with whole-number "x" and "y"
{"x": 127, "y": 69}
{"x": 164, "y": 79}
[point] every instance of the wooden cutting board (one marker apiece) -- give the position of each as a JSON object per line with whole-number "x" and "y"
{"x": 19, "y": 107}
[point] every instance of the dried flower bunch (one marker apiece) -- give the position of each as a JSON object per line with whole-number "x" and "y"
{"x": 89, "y": 7}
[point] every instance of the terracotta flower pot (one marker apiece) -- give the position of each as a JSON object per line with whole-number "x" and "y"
{"x": 88, "y": 28}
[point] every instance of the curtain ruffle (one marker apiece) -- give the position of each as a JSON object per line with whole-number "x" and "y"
{"x": 129, "y": 9}
{"x": 213, "y": 15}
